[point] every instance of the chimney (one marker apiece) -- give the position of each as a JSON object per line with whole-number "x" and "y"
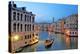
{"x": 24, "y": 8}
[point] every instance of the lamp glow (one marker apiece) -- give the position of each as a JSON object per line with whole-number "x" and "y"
{"x": 67, "y": 32}
{"x": 16, "y": 38}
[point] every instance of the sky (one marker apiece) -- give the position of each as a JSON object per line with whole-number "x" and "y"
{"x": 45, "y": 12}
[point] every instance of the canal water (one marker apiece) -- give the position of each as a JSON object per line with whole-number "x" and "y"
{"x": 61, "y": 42}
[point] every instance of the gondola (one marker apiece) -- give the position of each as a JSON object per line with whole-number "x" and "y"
{"x": 48, "y": 43}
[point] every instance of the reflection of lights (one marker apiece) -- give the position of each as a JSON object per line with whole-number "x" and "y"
{"x": 67, "y": 39}
{"x": 67, "y": 42}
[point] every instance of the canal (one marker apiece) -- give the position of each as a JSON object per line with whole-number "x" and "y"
{"x": 61, "y": 42}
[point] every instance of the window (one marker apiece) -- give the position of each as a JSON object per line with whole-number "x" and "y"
{"x": 25, "y": 37}
{"x": 28, "y": 27}
{"x": 25, "y": 18}
{"x": 21, "y": 27}
{"x": 30, "y": 19}
{"x": 18, "y": 16}
{"x": 25, "y": 27}
{"x": 21, "y": 17}
{"x": 25, "y": 42}
{"x": 33, "y": 19}
{"x": 30, "y": 36}
{"x": 14, "y": 27}
{"x": 72, "y": 32}
{"x": 75, "y": 32}
{"x": 14, "y": 15}
{"x": 18, "y": 27}
{"x": 33, "y": 35}
{"x": 33, "y": 27}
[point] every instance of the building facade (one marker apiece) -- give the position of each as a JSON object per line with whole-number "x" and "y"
{"x": 21, "y": 27}
{"x": 58, "y": 26}
{"x": 71, "y": 25}
{"x": 67, "y": 25}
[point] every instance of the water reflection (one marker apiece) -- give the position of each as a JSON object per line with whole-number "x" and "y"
{"x": 71, "y": 42}
{"x": 67, "y": 41}
{"x": 61, "y": 42}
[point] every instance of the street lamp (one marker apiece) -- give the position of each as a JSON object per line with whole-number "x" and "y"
{"x": 68, "y": 32}
{"x": 16, "y": 38}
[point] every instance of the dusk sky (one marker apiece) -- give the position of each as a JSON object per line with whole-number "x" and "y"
{"x": 45, "y": 12}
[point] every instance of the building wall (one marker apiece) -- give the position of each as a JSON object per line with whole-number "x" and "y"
{"x": 71, "y": 24}
{"x": 22, "y": 26}
{"x": 67, "y": 23}
{"x": 59, "y": 26}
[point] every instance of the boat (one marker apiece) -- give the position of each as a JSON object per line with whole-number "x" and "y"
{"x": 48, "y": 43}
{"x": 19, "y": 50}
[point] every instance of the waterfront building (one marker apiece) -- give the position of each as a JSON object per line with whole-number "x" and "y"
{"x": 67, "y": 25}
{"x": 71, "y": 25}
{"x": 21, "y": 27}
{"x": 58, "y": 26}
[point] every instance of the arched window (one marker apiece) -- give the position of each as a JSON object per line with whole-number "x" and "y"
{"x": 30, "y": 35}
{"x": 14, "y": 27}
{"x": 28, "y": 27}
{"x": 30, "y": 19}
{"x": 14, "y": 15}
{"x": 25, "y": 18}
{"x": 25, "y": 27}
{"x": 18, "y": 16}
{"x": 21, "y": 27}
{"x": 21, "y": 17}
{"x": 32, "y": 27}
{"x": 18, "y": 27}
{"x": 33, "y": 19}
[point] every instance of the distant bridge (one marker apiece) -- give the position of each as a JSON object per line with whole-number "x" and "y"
{"x": 44, "y": 27}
